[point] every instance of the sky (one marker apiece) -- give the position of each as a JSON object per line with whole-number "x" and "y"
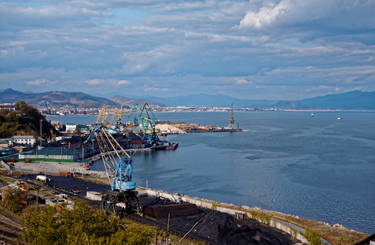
{"x": 256, "y": 49}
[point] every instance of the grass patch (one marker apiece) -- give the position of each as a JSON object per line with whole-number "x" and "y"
{"x": 5, "y": 179}
{"x": 313, "y": 237}
{"x": 331, "y": 234}
{"x": 214, "y": 205}
{"x": 260, "y": 216}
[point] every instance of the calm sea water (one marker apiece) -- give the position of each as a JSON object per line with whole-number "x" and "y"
{"x": 314, "y": 167}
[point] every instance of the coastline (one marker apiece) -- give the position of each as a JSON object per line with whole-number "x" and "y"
{"x": 295, "y": 226}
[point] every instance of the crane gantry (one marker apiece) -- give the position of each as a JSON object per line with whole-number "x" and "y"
{"x": 118, "y": 167}
{"x": 147, "y": 121}
{"x": 143, "y": 117}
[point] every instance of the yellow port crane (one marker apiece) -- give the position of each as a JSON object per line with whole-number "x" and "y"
{"x": 101, "y": 113}
{"x": 119, "y": 117}
{"x": 104, "y": 113}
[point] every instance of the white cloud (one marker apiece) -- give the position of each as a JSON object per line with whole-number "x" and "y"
{"x": 241, "y": 81}
{"x": 265, "y": 16}
{"x": 321, "y": 88}
{"x": 123, "y": 82}
{"x": 136, "y": 62}
{"x": 94, "y": 81}
{"x": 154, "y": 89}
{"x": 346, "y": 14}
{"x": 293, "y": 43}
{"x": 37, "y": 82}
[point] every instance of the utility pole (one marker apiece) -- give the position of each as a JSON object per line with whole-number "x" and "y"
{"x": 169, "y": 219}
{"x": 40, "y": 132}
{"x": 41, "y": 128}
{"x": 156, "y": 236}
{"x": 83, "y": 152}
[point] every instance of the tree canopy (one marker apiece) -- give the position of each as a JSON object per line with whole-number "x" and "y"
{"x": 13, "y": 198}
{"x": 81, "y": 225}
{"x": 25, "y": 120}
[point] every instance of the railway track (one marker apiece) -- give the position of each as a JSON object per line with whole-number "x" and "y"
{"x": 10, "y": 229}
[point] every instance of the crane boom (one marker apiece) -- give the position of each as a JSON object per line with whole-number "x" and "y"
{"x": 147, "y": 121}
{"x": 101, "y": 113}
{"x": 107, "y": 116}
{"x": 119, "y": 170}
{"x": 119, "y": 117}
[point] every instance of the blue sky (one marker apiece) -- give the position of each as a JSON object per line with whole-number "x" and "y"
{"x": 285, "y": 49}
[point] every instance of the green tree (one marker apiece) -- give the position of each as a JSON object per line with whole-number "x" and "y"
{"x": 13, "y": 199}
{"x": 24, "y": 120}
{"x": 81, "y": 225}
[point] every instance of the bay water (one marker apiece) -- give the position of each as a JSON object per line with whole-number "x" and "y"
{"x": 316, "y": 167}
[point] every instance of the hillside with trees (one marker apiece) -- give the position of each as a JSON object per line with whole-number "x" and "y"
{"x": 55, "y": 99}
{"x": 25, "y": 120}
{"x": 81, "y": 225}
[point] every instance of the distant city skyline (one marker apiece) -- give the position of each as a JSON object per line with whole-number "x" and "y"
{"x": 273, "y": 49}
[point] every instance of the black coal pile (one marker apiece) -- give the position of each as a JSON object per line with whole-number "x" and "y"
{"x": 171, "y": 210}
{"x": 225, "y": 229}
{"x": 152, "y": 201}
{"x": 233, "y": 231}
{"x": 211, "y": 226}
{"x": 70, "y": 184}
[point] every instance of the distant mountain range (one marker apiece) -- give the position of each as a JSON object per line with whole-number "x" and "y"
{"x": 211, "y": 100}
{"x": 354, "y": 100}
{"x": 348, "y": 101}
{"x": 54, "y": 98}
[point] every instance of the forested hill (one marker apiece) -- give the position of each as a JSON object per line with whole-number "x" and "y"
{"x": 25, "y": 120}
{"x": 354, "y": 100}
{"x": 54, "y": 98}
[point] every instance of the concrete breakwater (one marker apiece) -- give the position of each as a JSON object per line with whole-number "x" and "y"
{"x": 294, "y": 230}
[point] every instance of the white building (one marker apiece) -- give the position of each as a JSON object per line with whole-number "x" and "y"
{"x": 24, "y": 139}
{"x": 8, "y": 106}
{"x": 70, "y": 128}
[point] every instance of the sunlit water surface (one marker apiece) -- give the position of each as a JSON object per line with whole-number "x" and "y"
{"x": 314, "y": 167}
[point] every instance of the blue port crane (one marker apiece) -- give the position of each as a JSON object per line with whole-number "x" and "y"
{"x": 147, "y": 120}
{"x": 119, "y": 170}
{"x": 143, "y": 116}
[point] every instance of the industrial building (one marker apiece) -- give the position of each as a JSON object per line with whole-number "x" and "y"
{"x": 24, "y": 140}
{"x": 52, "y": 154}
{"x": 8, "y": 106}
